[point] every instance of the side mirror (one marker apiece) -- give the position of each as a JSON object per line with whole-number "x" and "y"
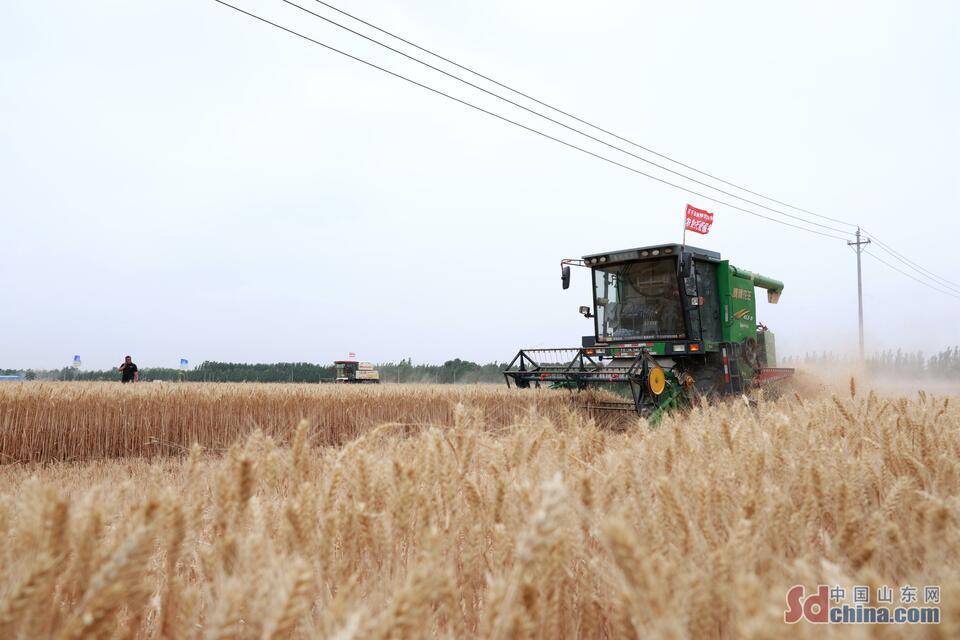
{"x": 565, "y": 276}
{"x": 585, "y": 312}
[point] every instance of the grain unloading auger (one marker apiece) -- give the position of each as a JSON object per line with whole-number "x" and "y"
{"x": 672, "y": 323}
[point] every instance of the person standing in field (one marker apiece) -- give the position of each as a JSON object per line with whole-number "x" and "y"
{"x": 129, "y": 370}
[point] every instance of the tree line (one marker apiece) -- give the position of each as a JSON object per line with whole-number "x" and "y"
{"x": 945, "y": 364}
{"x": 450, "y": 372}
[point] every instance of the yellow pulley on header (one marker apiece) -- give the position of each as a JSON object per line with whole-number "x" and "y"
{"x": 656, "y": 380}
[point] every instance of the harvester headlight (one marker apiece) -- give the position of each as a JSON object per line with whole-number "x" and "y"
{"x": 656, "y": 380}
{"x": 644, "y": 253}
{"x": 668, "y": 250}
{"x": 655, "y": 252}
{"x": 603, "y": 259}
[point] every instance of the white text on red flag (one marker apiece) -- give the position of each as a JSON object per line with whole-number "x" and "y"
{"x": 698, "y": 220}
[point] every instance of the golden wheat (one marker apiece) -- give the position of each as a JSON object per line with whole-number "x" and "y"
{"x": 539, "y": 525}
{"x": 41, "y": 422}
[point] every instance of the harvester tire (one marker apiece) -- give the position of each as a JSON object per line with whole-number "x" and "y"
{"x": 708, "y": 380}
{"x": 753, "y": 354}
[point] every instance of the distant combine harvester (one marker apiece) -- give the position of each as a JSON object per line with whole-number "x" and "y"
{"x": 355, "y": 372}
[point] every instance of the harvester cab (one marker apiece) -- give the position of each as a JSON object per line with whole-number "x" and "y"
{"x": 673, "y": 322}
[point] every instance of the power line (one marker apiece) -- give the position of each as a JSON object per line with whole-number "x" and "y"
{"x": 523, "y": 126}
{"x": 913, "y": 265}
{"x": 578, "y": 119}
{"x": 900, "y": 271}
{"x": 923, "y": 272}
{"x": 943, "y": 282}
{"x": 548, "y": 118}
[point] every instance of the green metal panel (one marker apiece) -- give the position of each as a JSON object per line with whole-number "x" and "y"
{"x": 723, "y": 289}
{"x": 770, "y": 348}
{"x": 738, "y": 304}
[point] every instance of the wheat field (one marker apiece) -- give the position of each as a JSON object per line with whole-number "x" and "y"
{"x": 79, "y": 421}
{"x": 462, "y": 513}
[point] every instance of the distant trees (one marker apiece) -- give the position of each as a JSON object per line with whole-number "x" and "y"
{"x": 452, "y": 371}
{"x": 945, "y": 364}
{"x": 277, "y": 372}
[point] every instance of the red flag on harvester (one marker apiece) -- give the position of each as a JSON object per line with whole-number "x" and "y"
{"x": 698, "y": 220}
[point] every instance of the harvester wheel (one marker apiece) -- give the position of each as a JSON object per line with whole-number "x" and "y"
{"x": 753, "y": 354}
{"x": 707, "y": 379}
{"x": 656, "y": 380}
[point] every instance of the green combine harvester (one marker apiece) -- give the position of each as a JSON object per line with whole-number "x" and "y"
{"x": 672, "y": 323}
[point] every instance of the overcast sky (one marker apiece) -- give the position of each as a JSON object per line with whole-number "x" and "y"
{"x": 179, "y": 180}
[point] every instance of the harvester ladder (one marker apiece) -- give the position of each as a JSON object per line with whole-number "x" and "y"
{"x": 732, "y": 378}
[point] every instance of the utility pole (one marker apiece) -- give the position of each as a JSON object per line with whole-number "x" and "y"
{"x": 859, "y": 249}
